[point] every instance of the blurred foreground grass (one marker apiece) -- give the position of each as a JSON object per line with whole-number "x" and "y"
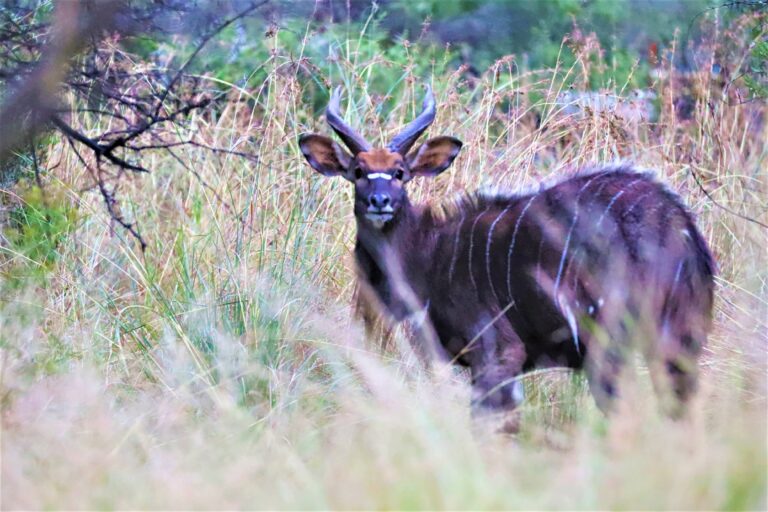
{"x": 222, "y": 368}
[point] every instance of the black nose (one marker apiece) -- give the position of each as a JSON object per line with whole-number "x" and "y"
{"x": 379, "y": 200}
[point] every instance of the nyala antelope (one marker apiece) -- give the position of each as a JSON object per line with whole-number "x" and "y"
{"x": 565, "y": 276}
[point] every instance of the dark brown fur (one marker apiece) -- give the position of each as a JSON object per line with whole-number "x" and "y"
{"x": 598, "y": 259}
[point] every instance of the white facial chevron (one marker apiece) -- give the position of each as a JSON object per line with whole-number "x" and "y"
{"x": 379, "y": 175}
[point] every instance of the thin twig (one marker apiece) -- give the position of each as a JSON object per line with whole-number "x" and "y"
{"x": 200, "y": 47}
{"x": 716, "y": 203}
{"x": 99, "y": 149}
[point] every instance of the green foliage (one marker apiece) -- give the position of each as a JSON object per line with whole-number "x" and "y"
{"x": 321, "y": 55}
{"x": 36, "y": 229}
{"x": 142, "y": 45}
{"x": 22, "y": 164}
{"x": 756, "y": 77}
{"x": 442, "y": 35}
{"x": 534, "y": 30}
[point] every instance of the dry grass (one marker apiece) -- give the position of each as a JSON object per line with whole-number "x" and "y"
{"x": 222, "y": 369}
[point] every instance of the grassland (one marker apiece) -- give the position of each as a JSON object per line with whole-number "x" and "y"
{"x": 222, "y": 368}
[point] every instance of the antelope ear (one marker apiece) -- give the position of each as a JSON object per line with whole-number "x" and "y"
{"x": 434, "y": 156}
{"x": 324, "y": 155}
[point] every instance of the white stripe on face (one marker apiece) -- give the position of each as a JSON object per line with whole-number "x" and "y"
{"x": 380, "y": 176}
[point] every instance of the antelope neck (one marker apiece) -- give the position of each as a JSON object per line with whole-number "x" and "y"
{"x": 402, "y": 234}
{"x": 401, "y": 247}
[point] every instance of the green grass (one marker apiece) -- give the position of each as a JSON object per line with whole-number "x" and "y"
{"x": 223, "y": 368}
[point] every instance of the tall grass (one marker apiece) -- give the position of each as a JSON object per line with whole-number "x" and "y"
{"x": 223, "y": 369}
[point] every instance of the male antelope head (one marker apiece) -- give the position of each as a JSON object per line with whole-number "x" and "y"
{"x": 379, "y": 174}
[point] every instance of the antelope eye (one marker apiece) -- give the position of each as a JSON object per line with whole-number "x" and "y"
{"x": 358, "y": 173}
{"x": 398, "y": 174}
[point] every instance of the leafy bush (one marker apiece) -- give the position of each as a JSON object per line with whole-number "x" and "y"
{"x": 37, "y": 226}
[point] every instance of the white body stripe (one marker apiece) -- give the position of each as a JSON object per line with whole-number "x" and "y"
{"x": 512, "y": 246}
{"x": 472, "y": 244}
{"x": 601, "y": 187}
{"x": 638, "y": 201}
{"x": 677, "y": 275}
{"x": 672, "y": 290}
{"x": 488, "y": 250}
{"x": 607, "y": 208}
{"x": 379, "y": 176}
{"x": 455, "y": 254}
{"x": 568, "y": 237}
{"x": 613, "y": 200}
{"x": 572, "y": 325}
{"x": 574, "y": 262}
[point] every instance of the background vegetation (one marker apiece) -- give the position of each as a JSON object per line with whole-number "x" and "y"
{"x": 221, "y": 367}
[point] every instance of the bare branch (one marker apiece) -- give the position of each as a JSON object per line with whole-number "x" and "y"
{"x": 706, "y": 192}
{"x": 99, "y": 149}
{"x": 31, "y": 105}
{"x": 252, "y": 7}
{"x": 139, "y": 103}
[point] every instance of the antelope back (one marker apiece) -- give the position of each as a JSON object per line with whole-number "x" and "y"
{"x": 591, "y": 250}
